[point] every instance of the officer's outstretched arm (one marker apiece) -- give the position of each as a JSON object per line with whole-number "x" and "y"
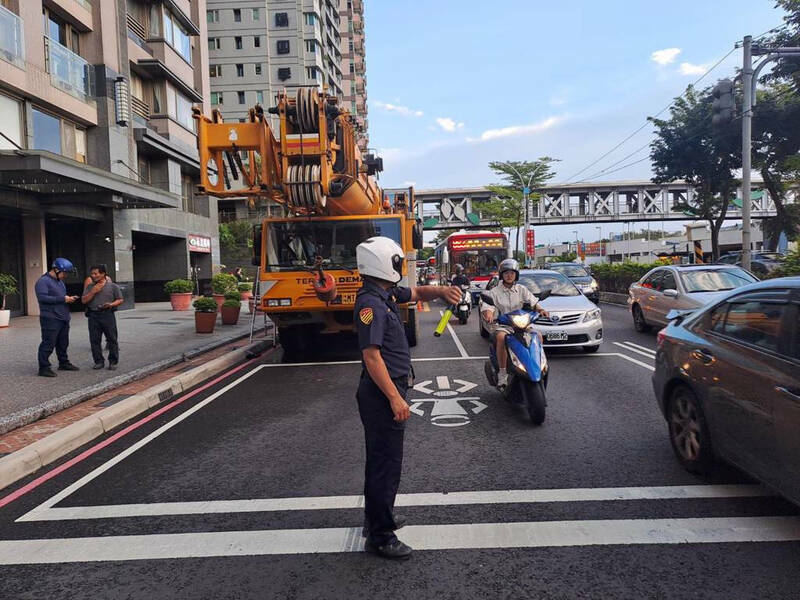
{"x": 426, "y": 293}
{"x": 380, "y": 375}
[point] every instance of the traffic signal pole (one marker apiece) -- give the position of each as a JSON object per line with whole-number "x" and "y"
{"x": 747, "y": 133}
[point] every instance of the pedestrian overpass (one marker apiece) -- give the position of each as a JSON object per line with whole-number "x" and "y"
{"x": 600, "y": 202}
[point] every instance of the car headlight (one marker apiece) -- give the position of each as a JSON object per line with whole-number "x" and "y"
{"x": 521, "y": 321}
{"x": 593, "y": 285}
{"x": 591, "y": 315}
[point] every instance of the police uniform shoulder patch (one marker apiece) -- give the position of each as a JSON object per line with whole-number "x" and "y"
{"x": 365, "y": 315}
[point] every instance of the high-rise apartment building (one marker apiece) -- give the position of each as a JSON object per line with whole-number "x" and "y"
{"x": 354, "y": 65}
{"x": 98, "y": 157}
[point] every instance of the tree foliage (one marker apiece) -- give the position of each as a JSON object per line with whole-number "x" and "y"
{"x": 689, "y": 147}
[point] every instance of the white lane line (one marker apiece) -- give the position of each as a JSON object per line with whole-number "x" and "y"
{"x": 358, "y": 362}
{"x": 418, "y": 499}
{"x": 420, "y": 537}
{"x": 636, "y": 362}
{"x": 629, "y": 349}
{"x": 460, "y": 347}
{"x": 650, "y": 350}
{"x": 124, "y": 454}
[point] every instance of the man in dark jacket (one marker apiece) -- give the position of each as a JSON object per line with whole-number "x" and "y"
{"x": 54, "y": 316}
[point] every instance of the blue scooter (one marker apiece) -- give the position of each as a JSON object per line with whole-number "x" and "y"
{"x": 526, "y": 362}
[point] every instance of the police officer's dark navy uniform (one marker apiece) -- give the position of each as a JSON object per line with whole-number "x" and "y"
{"x": 54, "y": 317}
{"x": 379, "y": 324}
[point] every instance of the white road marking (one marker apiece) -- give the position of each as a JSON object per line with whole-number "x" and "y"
{"x": 442, "y": 382}
{"x": 419, "y": 499}
{"x": 629, "y": 349}
{"x": 650, "y": 350}
{"x": 420, "y": 537}
{"x": 634, "y": 361}
{"x": 460, "y": 347}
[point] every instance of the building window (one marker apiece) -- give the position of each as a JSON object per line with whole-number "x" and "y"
{"x": 46, "y": 132}
{"x": 237, "y": 15}
{"x": 179, "y": 108}
{"x": 283, "y": 46}
{"x": 284, "y": 73}
{"x": 144, "y": 170}
{"x": 256, "y": 15}
{"x": 212, "y": 16}
{"x": 176, "y": 36}
{"x": 260, "y": 97}
{"x": 310, "y": 18}
{"x": 238, "y": 42}
{"x": 215, "y": 70}
{"x": 311, "y": 73}
{"x": 241, "y": 97}
{"x": 158, "y": 99}
{"x": 258, "y": 68}
{"x": 80, "y": 144}
{"x": 240, "y": 70}
{"x": 216, "y": 98}
{"x": 311, "y": 46}
{"x": 213, "y": 43}
{"x": 350, "y": 46}
{"x": 256, "y": 42}
{"x": 11, "y": 118}
{"x": 352, "y": 68}
{"x": 281, "y": 19}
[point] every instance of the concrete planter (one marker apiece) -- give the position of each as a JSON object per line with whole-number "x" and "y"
{"x": 181, "y": 301}
{"x": 230, "y": 314}
{"x": 204, "y": 322}
{"x": 219, "y": 299}
{"x": 247, "y": 295}
{"x": 5, "y": 318}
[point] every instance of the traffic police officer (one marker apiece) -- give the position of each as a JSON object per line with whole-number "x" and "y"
{"x": 384, "y": 383}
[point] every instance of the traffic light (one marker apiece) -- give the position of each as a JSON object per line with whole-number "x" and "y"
{"x": 723, "y": 105}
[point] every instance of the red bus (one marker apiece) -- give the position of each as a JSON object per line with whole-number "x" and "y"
{"x": 479, "y": 252}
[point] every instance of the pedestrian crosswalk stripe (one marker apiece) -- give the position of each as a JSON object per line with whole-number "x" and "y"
{"x": 633, "y": 348}
{"x": 418, "y": 499}
{"x": 420, "y": 537}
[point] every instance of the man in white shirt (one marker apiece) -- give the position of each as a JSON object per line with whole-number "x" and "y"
{"x": 508, "y": 296}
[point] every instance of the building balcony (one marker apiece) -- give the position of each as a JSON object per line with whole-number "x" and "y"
{"x": 68, "y": 71}
{"x": 358, "y": 6}
{"x": 140, "y": 110}
{"x": 80, "y": 12}
{"x": 12, "y": 38}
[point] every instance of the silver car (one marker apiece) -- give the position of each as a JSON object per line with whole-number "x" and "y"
{"x": 680, "y": 287}
{"x": 575, "y": 320}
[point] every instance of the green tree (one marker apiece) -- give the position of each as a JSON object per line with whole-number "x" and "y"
{"x": 688, "y": 147}
{"x": 425, "y": 253}
{"x": 507, "y": 207}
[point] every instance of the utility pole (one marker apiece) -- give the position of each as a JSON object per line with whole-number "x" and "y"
{"x": 526, "y": 190}
{"x": 747, "y": 133}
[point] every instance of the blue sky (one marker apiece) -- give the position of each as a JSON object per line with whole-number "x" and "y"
{"x": 453, "y": 84}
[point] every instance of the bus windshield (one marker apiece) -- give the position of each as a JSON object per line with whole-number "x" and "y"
{"x": 478, "y": 263}
{"x": 297, "y": 243}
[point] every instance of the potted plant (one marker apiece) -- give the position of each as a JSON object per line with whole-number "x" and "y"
{"x": 8, "y": 286}
{"x": 180, "y": 293}
{"x": 231, "y": 307}
{"x": 205, "y": 314}
{"x": 246, "y": 289}
{"x": 221, "y": 284}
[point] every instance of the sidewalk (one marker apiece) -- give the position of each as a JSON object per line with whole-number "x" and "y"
{"x": 152, "y": 337}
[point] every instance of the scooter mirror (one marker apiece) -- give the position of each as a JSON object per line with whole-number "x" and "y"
{"x": 487, "y": 299}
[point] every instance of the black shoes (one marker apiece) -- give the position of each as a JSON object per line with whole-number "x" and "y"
{"x": 112, "y": 366}
{"x": 47, "y": 372}
{"x": 395, "y": 550}
{"x": 68, "y": 367}
{"x": 98, "y": 366}
{"x": 399, "y": 522}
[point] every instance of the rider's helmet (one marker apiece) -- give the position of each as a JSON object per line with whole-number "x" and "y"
{"x": 509, "y": 264}
{"x": 381, "y": 258}
{"x": 459, "y": 269}
{"x": 63, "y": 264}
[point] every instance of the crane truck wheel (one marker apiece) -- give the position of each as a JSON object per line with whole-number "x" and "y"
{"x": 293, "y": 339}
{"x": 412, "y": 328}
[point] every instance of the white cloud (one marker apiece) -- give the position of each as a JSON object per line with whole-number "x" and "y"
{"x": 666, "y": 56}
{"x": 515, "y": 130}
{"x": 448, "y": 124}
{"x": 690, "y": 69}
{"x": 401, "y": 110}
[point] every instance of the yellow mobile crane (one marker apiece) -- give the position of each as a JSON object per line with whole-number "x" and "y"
{"x": 308, "y": 274}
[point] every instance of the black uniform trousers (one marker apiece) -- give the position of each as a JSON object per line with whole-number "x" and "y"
{"x": 384, "y": 441}
{"x": 55, "y": 334}
{"x": 103, "y": 322}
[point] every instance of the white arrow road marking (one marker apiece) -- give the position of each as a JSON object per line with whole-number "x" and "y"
{"x": 420, "y": 537}
{"x": 477, "y": 406}
{"x": 442, "y": 382}
{"x": 465, "y": 385}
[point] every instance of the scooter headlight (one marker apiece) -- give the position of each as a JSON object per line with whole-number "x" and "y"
{"x": 521, "y": 321}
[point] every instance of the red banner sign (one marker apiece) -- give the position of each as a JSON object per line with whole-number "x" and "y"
{"x": 530, "y": 242}
{"x": 199, "y": 243}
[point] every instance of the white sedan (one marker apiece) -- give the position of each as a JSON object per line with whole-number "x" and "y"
{"x": 575, "y": 321}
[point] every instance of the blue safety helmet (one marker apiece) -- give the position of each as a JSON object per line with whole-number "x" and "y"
{"x": 63, "y": 264}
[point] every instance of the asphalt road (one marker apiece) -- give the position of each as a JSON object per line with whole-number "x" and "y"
{"x": 250, "y": 489}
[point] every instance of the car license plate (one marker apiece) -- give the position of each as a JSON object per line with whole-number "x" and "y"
{"x": 556, "y": 336}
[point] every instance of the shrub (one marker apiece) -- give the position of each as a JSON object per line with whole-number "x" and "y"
{"x": 245, "y": 286}
{"x": 205, "y": 304}
{"x": 8, "y": 286}
{"x": 232, "y": 295}
{"x": 222, "y": 283}
{"x": 790, "y": 267}
{"x": 232, "y": 303}
{"x": 617, "y": 277}
{"x": 178, "y": 286}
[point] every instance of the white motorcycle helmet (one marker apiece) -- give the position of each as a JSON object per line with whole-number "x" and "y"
{"x": 381, "y": 258}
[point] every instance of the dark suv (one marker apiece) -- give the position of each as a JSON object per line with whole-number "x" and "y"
{"x": 580, "y": 276}
{"x": 727, "y": 380}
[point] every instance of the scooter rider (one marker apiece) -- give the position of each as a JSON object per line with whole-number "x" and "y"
{"x": 507, "y": 297}
{"x": 459, "y": 278}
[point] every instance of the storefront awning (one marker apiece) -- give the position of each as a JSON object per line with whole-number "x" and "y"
{"x": 60, "y": 180}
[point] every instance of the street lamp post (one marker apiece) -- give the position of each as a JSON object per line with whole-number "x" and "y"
{"x": 600, "y": 240}
{"x": 526, "y": 190}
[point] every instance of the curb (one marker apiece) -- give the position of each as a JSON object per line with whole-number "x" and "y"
{"x": 31, "y": 458}
{"x": 54, "y": 405}
{"x": 614, "y": 298}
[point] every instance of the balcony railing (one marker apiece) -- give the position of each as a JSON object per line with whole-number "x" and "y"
{"x": 137, "y": 32}
{"x": 85, "y": 4}
{"x": 12, "y": 41}
{"x": 68, "y": 71}
{"x": 140, "y": 110}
